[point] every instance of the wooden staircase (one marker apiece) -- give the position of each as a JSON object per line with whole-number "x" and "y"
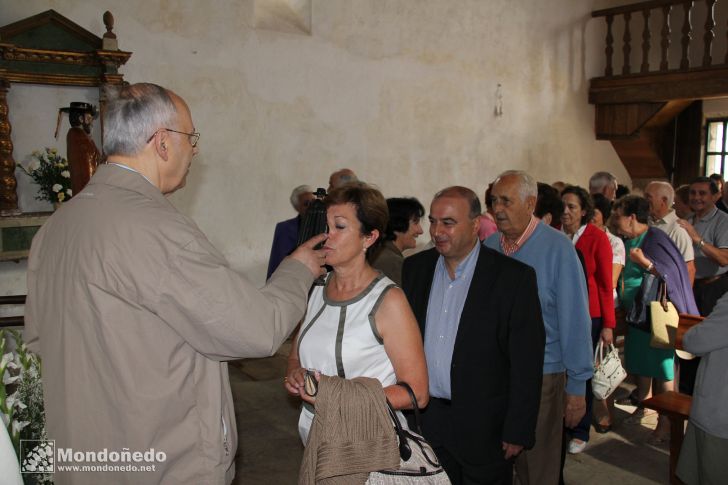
{"x": 645, "y": 114}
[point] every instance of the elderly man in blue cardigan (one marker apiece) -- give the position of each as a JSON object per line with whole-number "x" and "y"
{"x": 565, "y": 306}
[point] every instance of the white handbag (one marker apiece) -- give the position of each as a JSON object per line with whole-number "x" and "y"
{"x": 608, "y": 371}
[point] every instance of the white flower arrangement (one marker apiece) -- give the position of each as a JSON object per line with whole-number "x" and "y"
{"x": 50, "y": 171}
{"x": 21, "y": 394}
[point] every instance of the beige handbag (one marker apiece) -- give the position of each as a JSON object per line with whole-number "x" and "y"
{"x": 664, "y": 321}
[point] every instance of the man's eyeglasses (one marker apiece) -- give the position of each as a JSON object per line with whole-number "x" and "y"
{"x": 193, "y": 137}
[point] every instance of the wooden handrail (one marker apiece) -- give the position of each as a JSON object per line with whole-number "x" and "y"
{"x": 636, "y": 7}
{"x": 12, "y": 300}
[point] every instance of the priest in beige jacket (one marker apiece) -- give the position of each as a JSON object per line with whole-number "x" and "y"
{"x": 134, "y": 312}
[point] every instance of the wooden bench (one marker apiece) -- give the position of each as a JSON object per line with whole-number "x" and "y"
{"x": 674, "y": 405}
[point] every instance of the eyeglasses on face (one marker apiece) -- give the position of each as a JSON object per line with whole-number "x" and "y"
{"x": 192, "y": 137}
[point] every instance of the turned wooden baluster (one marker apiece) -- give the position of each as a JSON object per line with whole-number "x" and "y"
{"x": 709, "y": 34}
{"x": 610, "y": 43}
{"x": 646, "y": 42}
{"x": 665, "y": 44}
{"x": 627, "y": 49}
{"x": 687, "y": 35}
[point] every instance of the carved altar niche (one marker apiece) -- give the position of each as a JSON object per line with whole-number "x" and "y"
{"x": 50, "y": 49}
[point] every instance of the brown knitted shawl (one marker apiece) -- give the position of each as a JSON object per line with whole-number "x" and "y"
{"x": 351, "y": 434}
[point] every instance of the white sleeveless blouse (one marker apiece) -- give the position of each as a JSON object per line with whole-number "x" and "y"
{"x": 340, "y": 338}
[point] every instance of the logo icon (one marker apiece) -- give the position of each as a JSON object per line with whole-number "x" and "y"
{"x": 37, "y": 456}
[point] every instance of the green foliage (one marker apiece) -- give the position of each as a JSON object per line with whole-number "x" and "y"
{"x": 50, "y": 171}
{"x": 21, "y": 394}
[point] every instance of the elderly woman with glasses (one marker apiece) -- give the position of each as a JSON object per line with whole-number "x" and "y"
{"x": 650, "y": 251}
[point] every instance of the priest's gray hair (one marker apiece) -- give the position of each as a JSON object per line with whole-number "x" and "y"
{"x": 132, "y": 115}
{"x": 527, "y": 184}
{"x": 301, "y": 189}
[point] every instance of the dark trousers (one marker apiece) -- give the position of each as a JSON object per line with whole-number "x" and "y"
{"x": 439, "y": 413}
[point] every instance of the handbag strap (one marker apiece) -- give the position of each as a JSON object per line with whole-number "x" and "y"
{"x": 599, "y": 353}
{"x": 663, "y": 293}
{"x": 415, "y": 407}
{"x": 405, "y": 451}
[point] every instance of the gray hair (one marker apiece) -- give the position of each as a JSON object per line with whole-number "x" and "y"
{"x": 132, "y": 115}
{"x": 301, "y": 189}
{"x": 665, "y": 190}
{"x": 600, "y": 180}
{"x": 527, "y": 184}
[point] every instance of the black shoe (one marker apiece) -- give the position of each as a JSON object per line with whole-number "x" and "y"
{"x": 602, "y": 428}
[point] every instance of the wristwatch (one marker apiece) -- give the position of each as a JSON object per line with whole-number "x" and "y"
{"x": 701, "y": 243}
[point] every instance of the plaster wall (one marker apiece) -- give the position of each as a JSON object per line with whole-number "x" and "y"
{"x": 403, "y": 92}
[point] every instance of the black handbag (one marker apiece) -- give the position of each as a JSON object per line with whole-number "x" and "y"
{"x": 639, "y": 315}
{"x": 418, "y": 463}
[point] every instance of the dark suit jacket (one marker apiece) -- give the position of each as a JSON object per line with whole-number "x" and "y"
{"x": 285, "y": 237}
{"x": 497, "y": 362}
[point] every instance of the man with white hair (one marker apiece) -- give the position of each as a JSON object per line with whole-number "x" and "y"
{"x": 135, "y": 313}
{"x": 603, "y": 183}
{"x": 285, "y": 235}
{"x": 565, "y": 306}
{"x": 661, "y": 196}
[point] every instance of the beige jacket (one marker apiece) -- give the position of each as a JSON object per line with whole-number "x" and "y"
{"x": 134, "y": 312}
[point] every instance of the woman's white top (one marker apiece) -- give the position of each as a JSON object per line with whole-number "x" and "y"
{"x": 340, "y": 338}
{"x": 618, "y": 257}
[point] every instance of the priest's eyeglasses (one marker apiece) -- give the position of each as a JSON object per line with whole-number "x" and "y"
{"x": 192, "y": 137}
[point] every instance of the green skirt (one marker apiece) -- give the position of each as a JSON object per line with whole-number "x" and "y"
{"x": 644, "y": 360}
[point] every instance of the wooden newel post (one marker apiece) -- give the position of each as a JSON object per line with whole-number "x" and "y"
{"x": 8, "y": 184}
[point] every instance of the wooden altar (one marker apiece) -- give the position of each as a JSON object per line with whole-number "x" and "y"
{"x": 50, "y": 49}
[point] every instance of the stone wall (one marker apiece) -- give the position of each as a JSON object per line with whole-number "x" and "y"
{"x": 404, "y": 92}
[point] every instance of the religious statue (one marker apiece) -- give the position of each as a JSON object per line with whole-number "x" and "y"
{"x": 83, "y": 156}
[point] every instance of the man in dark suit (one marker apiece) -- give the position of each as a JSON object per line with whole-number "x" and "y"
{"x": 480, "y": 317}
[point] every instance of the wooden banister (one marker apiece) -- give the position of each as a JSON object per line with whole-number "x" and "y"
{"x": 634, "y": 7}
{"x": 687, "y": 36}
{"x": 709, "y": 34}
{"x": 644, "y": 9}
